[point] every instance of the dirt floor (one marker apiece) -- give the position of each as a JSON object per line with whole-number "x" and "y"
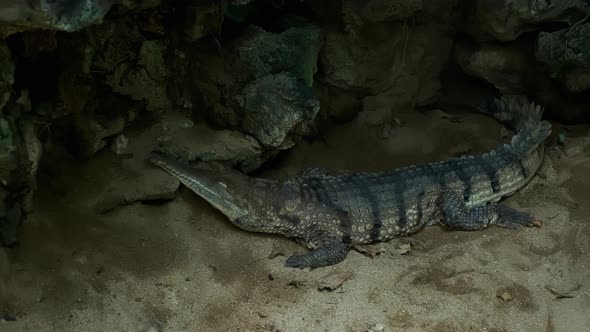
{"x": 180, "y": 266}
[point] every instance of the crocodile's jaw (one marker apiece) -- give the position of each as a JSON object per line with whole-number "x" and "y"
{"x": 206, "y": 184}
{"x": 217, "y": 195}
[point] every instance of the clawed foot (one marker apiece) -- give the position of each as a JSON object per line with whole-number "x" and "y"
{"x": 332, "y": 252}
{"x": 300, "y": 262}
{"x": 511, "y": 218}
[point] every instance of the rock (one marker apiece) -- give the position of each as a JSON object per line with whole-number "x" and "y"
{"x": 64, "y": 15}
{"x": 358, "y": 15}
{"x": 20, "y": 152}
{"x": 403, "y": 249}
{"x": 38, "y": 43}
{"x": 108, "y": 46}
{"x": 178, "y": 135}
{"x": 6, "y": 73}
{"x": 294, "y": 50}
{"x": 84, "y": 120}
{"x": 557, "y": 101}
{"x": 34, "y": 151}
{"x": 119, "y": 144}
{"x": 238, "y": 10}
{"x": 201, "y": 20}
{"x": 566, "y": 54}
{"x": 277, "y": 106}
{"x": 333, "y": 281}
{"x": 90, "y": 133}
{"x": 506, "y": 20}
{"x": 504, "y": 66}
{"x": 118, "y": 55}
{"x": 140, "y": 4}
{"x": 374, "y": 116}
{"x": 241, "y": 2}
{"x": 112, "y": 57}
{"x": 262, "y": 86}
{"x": 370, "y": 250}
{"x": 135, "y": 183}
{"x": 10, "y": 220}
{"x": 376, "y": 327}
{"x": 364, "y": 65}
{"x": 336, "y": 104}
{"x": 146, "y": 79}
{"x": 5, "y": 273}
{"x": 135, "y": 179}
{"x": 391, "y": 59}
{"x": 505, "y": 296}
{"x": 387, "y": 10}
{"x": 87, "y": 113}
{"x": 150, "y": 326}
{"x": 412, "y": 80}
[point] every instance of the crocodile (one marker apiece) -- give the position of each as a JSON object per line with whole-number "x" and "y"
{"x": 329, "y": 213}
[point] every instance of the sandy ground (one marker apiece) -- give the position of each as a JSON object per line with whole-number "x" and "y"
{"x": 180, "y": 266}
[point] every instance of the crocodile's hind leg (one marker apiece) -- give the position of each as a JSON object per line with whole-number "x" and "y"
{"x": 457, "y": 216}
{"x": 327, "y": 252}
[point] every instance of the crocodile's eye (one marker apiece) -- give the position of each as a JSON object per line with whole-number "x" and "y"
{"x": 292, "y": 204}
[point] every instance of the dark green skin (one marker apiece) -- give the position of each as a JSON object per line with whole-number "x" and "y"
{"x": 330, "y": 213}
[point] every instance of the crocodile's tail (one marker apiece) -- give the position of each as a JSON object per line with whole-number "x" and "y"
{"x": 517, "y": 113}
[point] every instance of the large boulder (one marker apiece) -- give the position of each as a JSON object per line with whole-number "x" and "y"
{"x": 503, "y": 65}
{"x": 293, "y": 50}
{"x": 20, "y": 152}
{"x": 387, "y": 54}
{"x": 381, "y": 10}
{"x": 385, "y": 57}
{"x": 506, "y": 20}
{"x": 276, "y": 108}
{"x": 262, "y": 83}
{"x": 6, "y": 74}
{"x": 63, "y": 15}
{"x": 566, "y": 55}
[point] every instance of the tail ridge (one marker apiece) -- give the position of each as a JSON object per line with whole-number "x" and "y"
{"x": 525, "y": 117}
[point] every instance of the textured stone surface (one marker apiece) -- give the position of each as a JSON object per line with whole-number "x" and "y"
{"x": 336, "y": 104}
{"x": 398, "y": 54}
{"x": 263, "y": 87}
{"x": 504, "y": 66}
{"x": 294, "y": 50}
{"x": 381, "y": 10}
{"x": 200, "y": 21}
{"x": 66, "y": 15}
{"x": 6, "y": 73}
{"x": 20, "y": 151}
{"x": 566, "y": 54}
{"x": 508, "y": 19}
{"x": 400, "y": 67}
{"x": 364, "y": 64}
{"x": 276, "y": 106}
{"x": 144, "y": 80}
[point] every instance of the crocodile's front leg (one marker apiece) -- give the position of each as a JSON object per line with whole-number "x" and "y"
{"x": 457, "y": 216}
{"x": 327, "y": 251}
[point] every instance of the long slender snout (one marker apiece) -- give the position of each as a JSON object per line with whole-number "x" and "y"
{"x": 210, "y": 185}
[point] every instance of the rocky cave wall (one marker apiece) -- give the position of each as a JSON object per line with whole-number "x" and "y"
{"x": 79, "y": 74}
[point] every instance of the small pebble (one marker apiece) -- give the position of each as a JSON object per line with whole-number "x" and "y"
{"x": 505, "y": 296}
{"x": 376, "y": 327}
